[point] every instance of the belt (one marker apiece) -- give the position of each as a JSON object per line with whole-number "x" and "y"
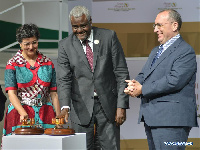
{"x": 34, "y": 101}
{"x": 96, "y": 97}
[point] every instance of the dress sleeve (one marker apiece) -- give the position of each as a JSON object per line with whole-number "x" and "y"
{"x": 10, "y": 78}
{"x": 53, "y": 80}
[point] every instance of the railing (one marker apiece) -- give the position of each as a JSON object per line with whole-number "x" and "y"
{"x": 11, "y": 8}
{"x": 23, "y": 19}
{"x": 4, "y": 11}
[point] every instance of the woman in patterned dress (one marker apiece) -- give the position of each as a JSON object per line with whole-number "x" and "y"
{"x": 30, "y": 81}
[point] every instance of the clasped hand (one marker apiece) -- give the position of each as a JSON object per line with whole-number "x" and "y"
{"x": 134, "y": 88}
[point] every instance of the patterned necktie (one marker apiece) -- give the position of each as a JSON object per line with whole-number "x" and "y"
{"x": 89, "y": 54}
{"x": 157, "y": 55}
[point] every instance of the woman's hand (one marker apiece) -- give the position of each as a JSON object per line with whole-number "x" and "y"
{"x": 16, "y": 103}
{"x": 23, "y": 116}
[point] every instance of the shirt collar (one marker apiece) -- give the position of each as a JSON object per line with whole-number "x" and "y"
{"x": 170, "y": 42}
{"x": 90, "y": 38}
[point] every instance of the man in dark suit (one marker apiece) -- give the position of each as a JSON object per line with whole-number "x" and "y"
{"x": 166, "y": 86}
{"x": 2, "y": 103}
{"x": 91, "y": 78}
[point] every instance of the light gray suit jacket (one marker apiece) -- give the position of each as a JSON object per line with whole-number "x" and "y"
{"x": 168, "y": 87}
{"x": 76, "y": 82}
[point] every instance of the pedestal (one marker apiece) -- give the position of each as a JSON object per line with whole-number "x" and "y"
{"x": 44, "y": 142}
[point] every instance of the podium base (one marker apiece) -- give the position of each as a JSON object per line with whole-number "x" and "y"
{"x": 29, "y": 131}
{"x": 52, "y": 131}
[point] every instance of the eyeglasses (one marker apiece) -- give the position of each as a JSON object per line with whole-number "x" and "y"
{"x": 34, "y": 43}
{"x": 159, "y": 25}
{"x": 83, "y": 26}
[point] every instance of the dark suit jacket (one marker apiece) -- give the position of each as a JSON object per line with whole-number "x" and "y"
{"x": 76, "y": 82}
{"x": 2, "y": 103}
{"x": 169, "y": 87}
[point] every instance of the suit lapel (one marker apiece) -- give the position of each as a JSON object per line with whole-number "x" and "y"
{"x": 165, "y": 54}
{"x": 80, "y": 51}
{"x": 96, "y": 46}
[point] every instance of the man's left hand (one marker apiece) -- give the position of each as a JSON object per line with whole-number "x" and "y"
{"x": 134, "y": 88}
{"x": 120, "y": 116}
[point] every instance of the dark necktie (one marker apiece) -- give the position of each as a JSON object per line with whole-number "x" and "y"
{"x": 157, "y": 55}
{"x": 89, "y": 54}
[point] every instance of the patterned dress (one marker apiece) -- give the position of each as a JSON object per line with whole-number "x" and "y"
{"x": 31, "y": 83}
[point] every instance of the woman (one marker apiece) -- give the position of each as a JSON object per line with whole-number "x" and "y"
{"x": 30, "y": 81}
{"x": 2, "y": 103}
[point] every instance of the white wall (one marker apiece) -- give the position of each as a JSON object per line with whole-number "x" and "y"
{"x": 142, "y": 11}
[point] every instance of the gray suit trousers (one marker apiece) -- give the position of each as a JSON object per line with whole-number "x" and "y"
{"x": 108, "y": 133}
{"x": 158, "y": 136}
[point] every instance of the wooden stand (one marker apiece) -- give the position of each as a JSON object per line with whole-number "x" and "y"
{"x": 59, "y": 131}
{"x": 29, "y": 131}
{"x": 53, "y": 131}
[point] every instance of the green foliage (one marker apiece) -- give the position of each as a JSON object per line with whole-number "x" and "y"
{"x": 8, "y": 33}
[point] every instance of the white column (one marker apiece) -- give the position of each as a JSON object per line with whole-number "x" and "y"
{"x": 60, "y": 20}
{"x": 23, "y": 14}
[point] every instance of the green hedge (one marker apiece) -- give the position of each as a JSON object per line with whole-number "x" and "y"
{"x": 8, "y": 32}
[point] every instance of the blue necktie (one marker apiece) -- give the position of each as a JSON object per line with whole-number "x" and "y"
{"x": 157, "y": 54}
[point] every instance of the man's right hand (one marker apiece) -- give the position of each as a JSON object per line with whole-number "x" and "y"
{"x": 64, "y": 113}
